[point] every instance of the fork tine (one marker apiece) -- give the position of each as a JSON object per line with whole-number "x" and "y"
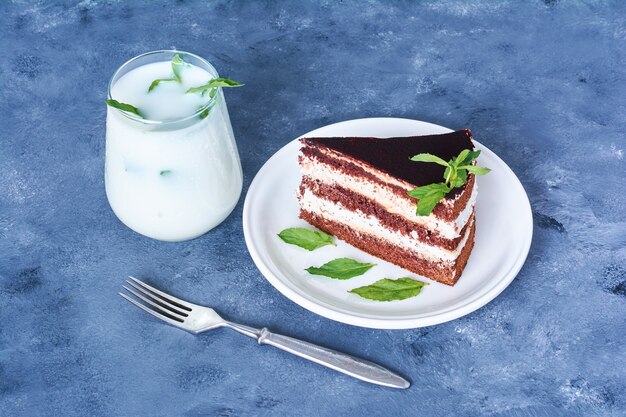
{"x": 154, "y": 313}
{"x": 158, "y": 300}
{"x": 170, "y": 298}
{"x": 155, "y": 305}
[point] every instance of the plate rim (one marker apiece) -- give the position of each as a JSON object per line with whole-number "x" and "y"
{"x": 339, "y": 314}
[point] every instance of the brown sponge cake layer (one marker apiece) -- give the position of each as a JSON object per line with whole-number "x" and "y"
{"x": 353, "y": 202}
{"x": 447, "y": 273}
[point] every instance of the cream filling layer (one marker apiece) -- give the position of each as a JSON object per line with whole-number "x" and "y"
{"x": 364, "y": 224}
{"x": 389, "y": 200}
{"x": 465, "y": 214}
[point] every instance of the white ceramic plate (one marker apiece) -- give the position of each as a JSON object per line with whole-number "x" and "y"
{"x": 503, "y": 234}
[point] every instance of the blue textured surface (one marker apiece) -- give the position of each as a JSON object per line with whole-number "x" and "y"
{"x": 541, "y": 83}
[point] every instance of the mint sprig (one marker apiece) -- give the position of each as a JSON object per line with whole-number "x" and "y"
{"x": 177, "y": 67}
{"x": 390, "y": 290}
{"x": 159, "y": 81}
{"x": 212, "y": 86}
{"x": 306, "y": 238}
{"x": 124, "y": 107}
{"x": 455, "y": 176}
{"x": 341, "y": 268}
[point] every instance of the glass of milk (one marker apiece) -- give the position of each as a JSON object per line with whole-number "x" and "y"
{"x": 172, "y": 173}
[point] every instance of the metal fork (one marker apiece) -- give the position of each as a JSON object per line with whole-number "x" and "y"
{"x": 197, "y": 319}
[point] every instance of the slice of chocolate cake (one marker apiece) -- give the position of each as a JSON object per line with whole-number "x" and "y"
{"x": 356, "y": 189}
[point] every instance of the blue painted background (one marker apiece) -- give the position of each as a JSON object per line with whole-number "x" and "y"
{"x": 542, "y": 83}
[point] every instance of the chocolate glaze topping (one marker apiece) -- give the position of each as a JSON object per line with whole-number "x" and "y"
{"x": 391, "y": 155}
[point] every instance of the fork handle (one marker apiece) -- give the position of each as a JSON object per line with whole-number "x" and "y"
{"x": 346, "y": 364}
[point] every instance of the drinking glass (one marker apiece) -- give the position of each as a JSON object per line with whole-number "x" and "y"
{"x": 175, "y": 179}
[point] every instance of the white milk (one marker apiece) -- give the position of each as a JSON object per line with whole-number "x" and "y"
{"x": 175, "y": 180}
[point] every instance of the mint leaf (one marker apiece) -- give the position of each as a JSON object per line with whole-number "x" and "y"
{"x": 421, "y": 192}
{"x": 157, "y": 82}
{"x": 476, "y": 169}
{"x": 124, "y": 107}
{"x": 461, "y": 157}
{"x": 428, "y": 196}
{"x": 447, "y": 173}
{"x": 459, "y": 179}
{"x": 450, "y": 173}
{"x": 341, "y": 268}
{"x": 203, "y": 114}
{"x": 390, "y": 290}
{"x": 468, "y": 158}
{"x": 177, "y": 67}
{"x": 214, "y": 83}
{"x": 426, "y": 157}
{"x": 427, "y": 204}
{"x": 306, "y": 238}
